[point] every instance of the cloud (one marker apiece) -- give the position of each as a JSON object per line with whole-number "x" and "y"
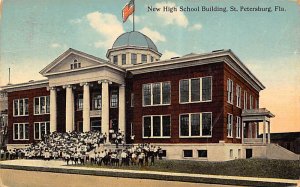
{"x": 169, "y": 54}
{"x": 174, "y": 18}
{"x": 75, "y": 21}
{"x": 195, "y": 27}
{"x": 58, "y": 45}
{"x": 107, "y": 25}
{"x": 137, "y": 19}
{"x": 154, "y": 35}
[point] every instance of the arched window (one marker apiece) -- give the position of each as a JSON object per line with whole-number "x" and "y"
{"x": 75, "y": 64}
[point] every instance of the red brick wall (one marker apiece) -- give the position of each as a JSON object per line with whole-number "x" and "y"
{"x": 232, "y": 108}
{"x": 30, "y": 94}
{"x": 216, "y": 106}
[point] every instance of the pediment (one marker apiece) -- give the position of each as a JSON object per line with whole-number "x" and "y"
{"x": 71, "y": 56}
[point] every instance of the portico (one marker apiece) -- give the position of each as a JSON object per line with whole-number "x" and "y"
{"x": 91, "y": 92}
{"x": 254, "y": 117}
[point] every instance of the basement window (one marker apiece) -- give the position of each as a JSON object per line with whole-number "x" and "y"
{"x": 187, "y": 153}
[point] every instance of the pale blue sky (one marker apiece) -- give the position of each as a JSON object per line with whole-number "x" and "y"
{"x": 34, "y": 32}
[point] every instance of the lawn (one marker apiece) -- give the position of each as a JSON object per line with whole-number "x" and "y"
{"x": 246, "y": 167}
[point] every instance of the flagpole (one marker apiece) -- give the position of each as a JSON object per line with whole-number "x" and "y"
{"x": 133, "y": 16}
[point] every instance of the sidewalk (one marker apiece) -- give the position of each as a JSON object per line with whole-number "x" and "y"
{"x": 60, "y": 167}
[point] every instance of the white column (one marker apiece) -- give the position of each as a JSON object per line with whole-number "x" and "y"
{"x": 86, "y": 107}
{"x": 122, "y": 121}
{"x": 264, "y": 131}
{"x": 53, "y": 110}
{"x": 69, "y": 108}
{"x": 243, "y": 123}
{"x": 269, "y": 133}
{"x": 105, "y": 108}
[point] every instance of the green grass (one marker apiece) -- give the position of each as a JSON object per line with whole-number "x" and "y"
{"x": 284, "y": 169}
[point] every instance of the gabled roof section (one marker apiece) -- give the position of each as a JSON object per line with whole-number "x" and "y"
{"x": 90, "y": 61}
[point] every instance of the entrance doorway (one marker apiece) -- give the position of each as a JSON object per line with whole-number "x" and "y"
{"x": 96, "y": 125}
{"x": 79, "y": 126}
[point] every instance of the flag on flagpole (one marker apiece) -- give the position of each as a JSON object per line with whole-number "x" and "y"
{"x": 128, "y": 10}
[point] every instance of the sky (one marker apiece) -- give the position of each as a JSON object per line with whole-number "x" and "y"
{"x": 35, "y": 32}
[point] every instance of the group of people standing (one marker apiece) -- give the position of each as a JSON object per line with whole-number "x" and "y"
{"x": 90, "y": 147}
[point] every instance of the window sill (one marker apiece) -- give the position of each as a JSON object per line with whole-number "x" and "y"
{"x": 195, "y": 136}
{"x": 229, "y": 136}
{"x": 157, "y": 105}
{"x": 21, "y": 116}
{"x": 153, "y": 137}
{"x": 20, "y": 139}
{"x": 195, "y": 102}
{"x": 41, "y": 114}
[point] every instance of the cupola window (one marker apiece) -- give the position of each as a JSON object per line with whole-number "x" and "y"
{"x": 133, "y": 58}
{"x": 144, "y": 58}
{"x": 123, "y": 59}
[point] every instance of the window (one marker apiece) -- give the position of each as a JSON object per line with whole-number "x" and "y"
{"x": 40, "y": 129}
{"x": 115, "y": 59}
{"x": 152, "y": 59}
{"x": 132, "y": 100}
{"x": 187, "y": 153}
{"x": 256, "y": 105}
{"x": 42, "y": 105}
{"x": 157, "y": 126}
{"x": 157, "y": 93}
{"x": 238, "y": 96}
{"x": 196, "y": 125}
{"x": 97, "y": 101}
{"x": 238, "y": 127}
{"x": 251, "y": 102}
{"x": 147, "y": 94}
{"x": 21, "y": 107}
{"x": 21, "y": 131}
{"x": 195, "y": 90}
{"x": 231, "y": 153}
{"x": 80, "y": 102}
{"x": 123, "y": 59}
{"x": 114, "y": 99}
{"x": 133, "y": 58}
{"x": 229, "y": 125}
{"x": 75, "y": 64}
{"x": 144, "y": 58}
{"x": 202, "y": 153}
{"x": 230, "y": 91}
{"x": 245, "y": 100}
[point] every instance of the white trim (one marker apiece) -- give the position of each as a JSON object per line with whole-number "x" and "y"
{"x": 230, "y": 91}
{"x": 190, "y": 90}
{"x": 40, "y": 132}
{"x": 226, "y": 56}
{"x": 31, "y": 85}
{"x": 238, "y": 96}
{"x": 245, "y": 99}
{"x": 229, "y": 124}
{"x": 251, "y": 102}
{"x": 24, "y": 107}
{"x": 200, "y": 123}
{"x": 24, "y": 131}
{"x": 161, "y": 94}
{"x": 161, "y": 126}
{"x": 39, "y": 113}
{"x": 238, "y": 127}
